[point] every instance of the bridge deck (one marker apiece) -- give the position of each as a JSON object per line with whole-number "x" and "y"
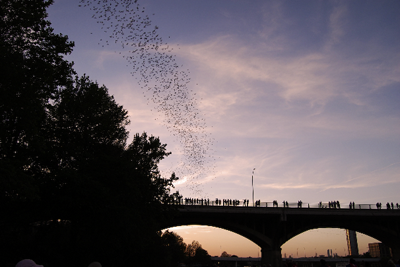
{"x": 288, "y": 211}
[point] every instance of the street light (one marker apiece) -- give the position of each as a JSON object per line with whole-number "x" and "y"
{"x": 252, "y": 186}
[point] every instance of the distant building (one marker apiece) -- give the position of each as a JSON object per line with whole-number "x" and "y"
{"x": 352, "y": 244}
{"x": 379, "y": 250}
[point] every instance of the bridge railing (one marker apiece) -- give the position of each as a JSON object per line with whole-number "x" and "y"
{"x": 283, "y": 204}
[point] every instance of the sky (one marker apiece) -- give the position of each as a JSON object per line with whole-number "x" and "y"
{"x": 303, "y": 96}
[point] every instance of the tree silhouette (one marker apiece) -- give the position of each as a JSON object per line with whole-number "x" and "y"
{"x": 225, "y": 255}
{"x": 196, "y": 254}
{"x": 202, "y": 256}
{"x": 73, "y": 190}
{"x": 32, "y": 69}
{"x": 173, "y": 251}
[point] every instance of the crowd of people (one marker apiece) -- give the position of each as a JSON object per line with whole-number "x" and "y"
{"x": 217, "y": 202}
{"x": 389, "y": 206}
{"x": 245, "y": 203}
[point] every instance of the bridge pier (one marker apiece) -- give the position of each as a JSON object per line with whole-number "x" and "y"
{"x": 271, "y": 256}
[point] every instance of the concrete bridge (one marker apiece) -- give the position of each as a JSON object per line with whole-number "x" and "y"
{"x": 270, "y": 227}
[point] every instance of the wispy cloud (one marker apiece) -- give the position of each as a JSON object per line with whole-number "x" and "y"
{"x": 315, "y": 77}
{"x": 337, "y": 23}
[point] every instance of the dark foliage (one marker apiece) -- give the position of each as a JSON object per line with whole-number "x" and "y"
{"x": 196, "y": 254}
{"x": 173, "y": 249}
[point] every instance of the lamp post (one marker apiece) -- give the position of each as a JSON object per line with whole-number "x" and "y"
{"x": 252, "y": 186}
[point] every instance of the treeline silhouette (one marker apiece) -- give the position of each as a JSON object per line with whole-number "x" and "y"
{"x": 73, "y": 191}
{"x": 178, "y": 252}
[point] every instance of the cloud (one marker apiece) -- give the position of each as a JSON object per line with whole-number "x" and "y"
{"x": 303, "y": 78}
{"x": 316, "y": 77}
{"x": 337, "y": 24}
{"x": 273, "y": 19}
{"x": 323, "y": 175}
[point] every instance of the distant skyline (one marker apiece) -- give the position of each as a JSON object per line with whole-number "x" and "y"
{"x": 307, "y": 93}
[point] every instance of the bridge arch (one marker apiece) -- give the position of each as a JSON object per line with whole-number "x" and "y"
{"x": 242, "y": 230}
{"x": 386, "y": 231}
{"x": 318, "y": 240}
{"x": 217, "y": 240}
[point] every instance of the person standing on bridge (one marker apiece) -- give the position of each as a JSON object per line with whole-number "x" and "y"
{"x": 299, "y": 204}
